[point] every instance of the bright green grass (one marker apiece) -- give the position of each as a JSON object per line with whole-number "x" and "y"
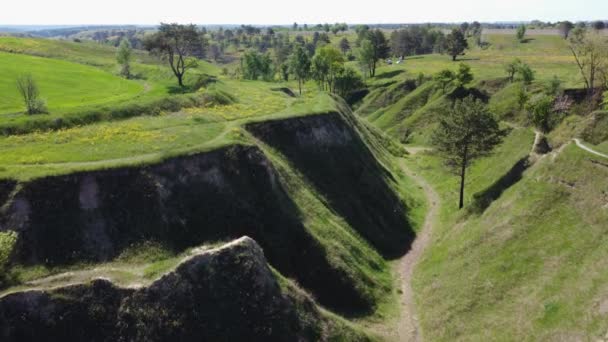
{"x": 63, "y": 84}
{"x": 78, "y": 88}
{"x": 147, "y": 139}
{"x": 531, "y": 267}
{"x": 547, "y": 55}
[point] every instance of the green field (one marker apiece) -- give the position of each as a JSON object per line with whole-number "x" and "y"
{"x": 523, "y": 261}
{"x": 63, "y": 84}
{"x": 547, "y": 55}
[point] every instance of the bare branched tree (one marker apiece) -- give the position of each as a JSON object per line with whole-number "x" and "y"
{"x": 590, "y": 51}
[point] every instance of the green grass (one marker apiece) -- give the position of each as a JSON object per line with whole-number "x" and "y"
{"x": 80, "y": 82}
{"x": 547, "y": 55}
{"x": 148, "y": 139}
{"x": 64, "y": 85}
{"x": 528, "y": 268}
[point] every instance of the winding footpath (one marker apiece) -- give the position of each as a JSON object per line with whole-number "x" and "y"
{"x": 408, "y": 328}
{"x": 580, "y": 145}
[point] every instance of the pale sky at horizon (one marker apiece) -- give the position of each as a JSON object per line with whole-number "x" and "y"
{"x": 274, "y": 12}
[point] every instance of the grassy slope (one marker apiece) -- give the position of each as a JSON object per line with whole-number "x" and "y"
{"x": 65, "y": 85}
{"x": 529, "y": 268}
{"x": 140, "y": 139}
{"x": 547, "y": 55}
{"x": 409, "y": 115}
{"x": 92, "y": 71}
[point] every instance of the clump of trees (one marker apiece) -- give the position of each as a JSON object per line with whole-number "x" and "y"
{"x": 124, "y": 57}
{"x": 326, "y": 64}
{"x": 517, "y": 67}
{"x": 299, "y": 66}
{"x": 416, "y": 40}
{"x": 467, "y": 132}
{"x": 373, "y": 47}
{"x": 447, "y": 77}
{"x": 179, "y": 45}
{"x": 30, "y": 93}
{"x": 257, "y": 65}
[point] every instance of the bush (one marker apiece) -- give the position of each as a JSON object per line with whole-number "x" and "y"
{"x": 7, "y": 245}
{"x": 348, "y": 80}
{"x": 30, "y": 93}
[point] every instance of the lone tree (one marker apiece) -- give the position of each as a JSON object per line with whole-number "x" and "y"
{"x": 598, "y": 25}
{"x": 456, "y": 43}
{"x": 28, "y": 89}
{"x": 177, "y": 44}
{"x": 521, "y": 32}
{"x": 124, "y": 56}
{"x": 299, "y": 65}
{"x": 344, "y": 45}
{"x": 564, "y": 28}
{"x": 590, "y": 51}
{"x": 467, "y": 132}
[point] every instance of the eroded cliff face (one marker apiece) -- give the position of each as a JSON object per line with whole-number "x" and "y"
{"x": 181, "y": 202}
{"x": 342, "y": 168}
{"x": 226, "y": 294}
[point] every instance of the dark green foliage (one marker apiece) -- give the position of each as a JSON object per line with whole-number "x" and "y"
{"x": 455, "y": 43}
{"x": 416, "y": 40}
{"x": 299, "y": 66}
{"x": 325, "y": 66}
{"x": 465, "y": 133}
{"x": 344, "y": 45}
{"x": 374, "y": 47}
{"x": 526, "y": 73}
{"x": 347, "y": 81}
{"x": 464, "y": 75}
{"x": 541, "y": 113}
{"x": 257, "y": 65}
{"x": 444, "y": 78}
{"x": 512, "y": 68}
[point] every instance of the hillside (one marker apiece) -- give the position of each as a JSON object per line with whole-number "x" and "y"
{"x": 125, "y": 196}
{"x": 522, "y": 261}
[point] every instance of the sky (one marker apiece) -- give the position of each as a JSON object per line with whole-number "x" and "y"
{"x": 77, "y": 12}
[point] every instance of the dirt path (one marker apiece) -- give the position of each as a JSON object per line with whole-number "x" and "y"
{"x": 408, "y": 327}
{"x": 579, "y": 144}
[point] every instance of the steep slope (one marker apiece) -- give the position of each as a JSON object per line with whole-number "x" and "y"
{"x": 529, "y": 266}
{"x": 332, "y": 158}
{"x": 225, "y": 294}
{"x": 318, "y": 233}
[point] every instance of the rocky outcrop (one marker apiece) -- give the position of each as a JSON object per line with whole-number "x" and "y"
{"x": 226, "y": 294}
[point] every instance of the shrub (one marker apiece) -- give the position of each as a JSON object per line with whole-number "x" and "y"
{"x": 30, "y": 93}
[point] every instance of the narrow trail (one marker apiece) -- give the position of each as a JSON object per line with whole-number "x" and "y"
{"x": 590, "y": 150}
{"x": 408, "y": 328}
